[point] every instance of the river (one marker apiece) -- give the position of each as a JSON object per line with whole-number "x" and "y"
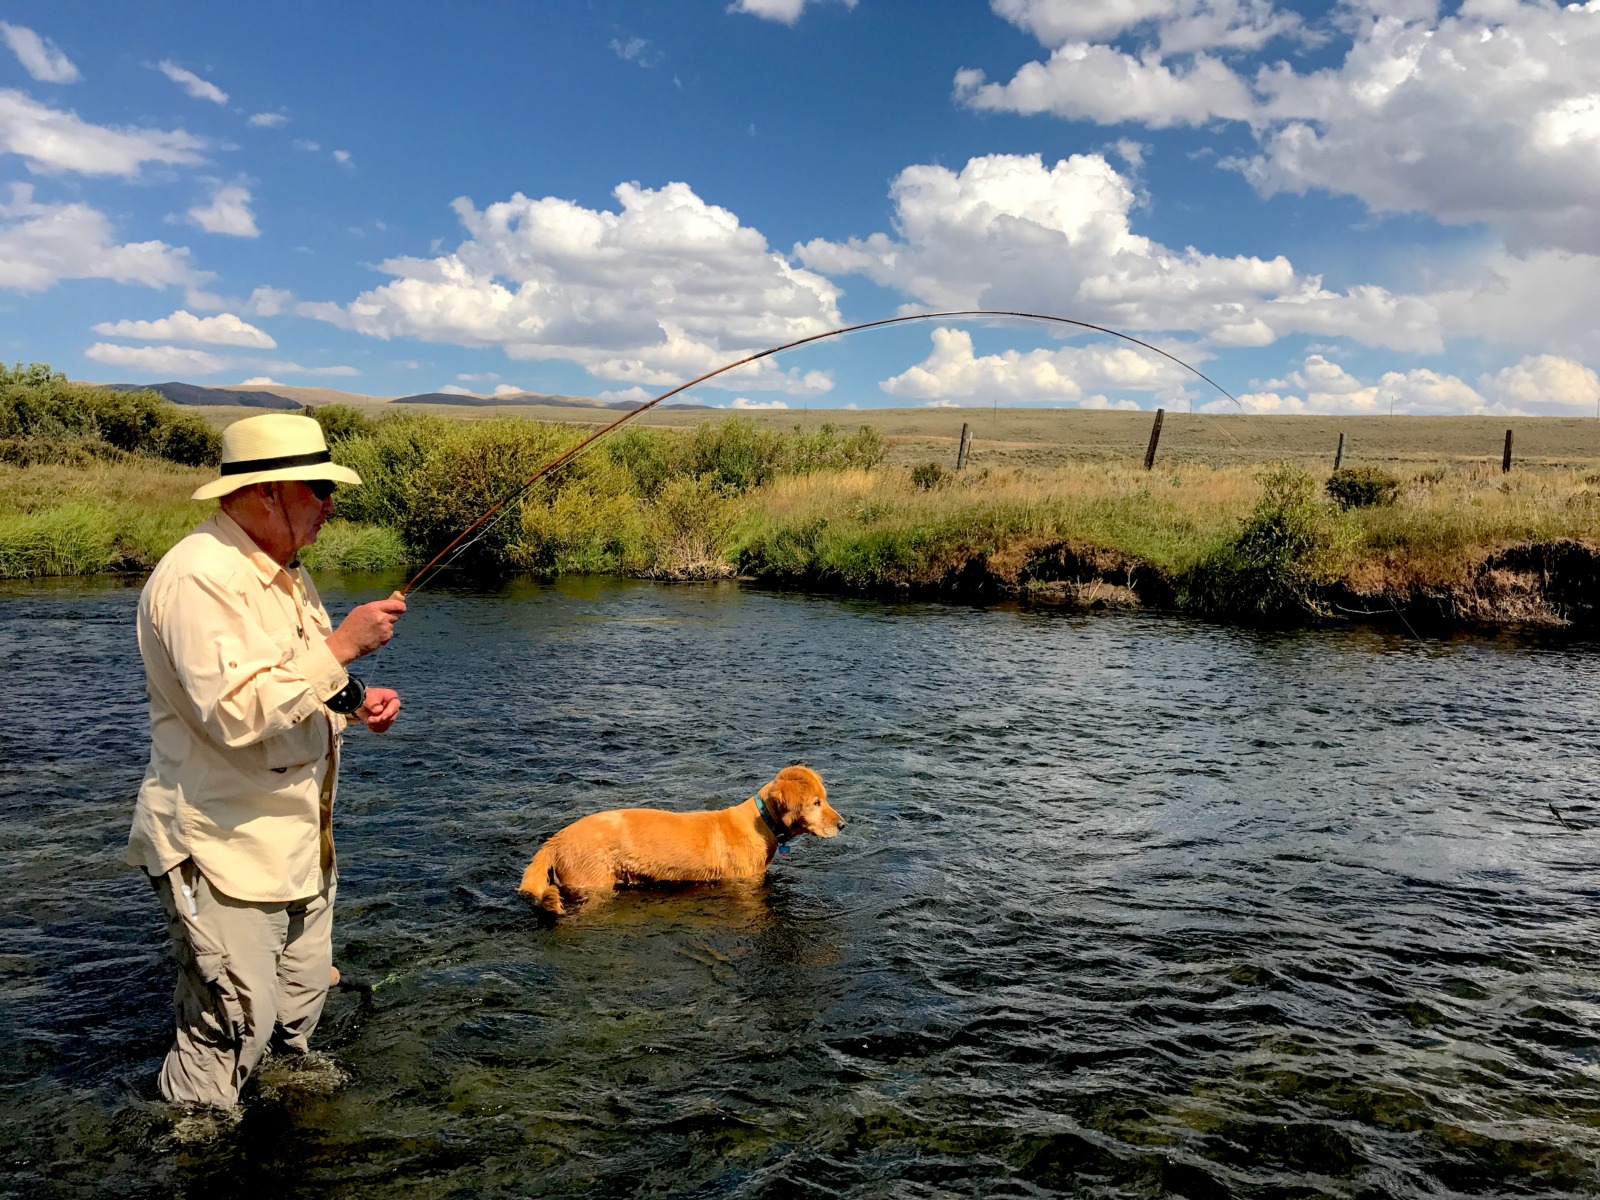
{"x": 1126, "y": 905}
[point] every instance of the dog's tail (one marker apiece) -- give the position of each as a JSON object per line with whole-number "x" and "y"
{"x": 540, "y": 882}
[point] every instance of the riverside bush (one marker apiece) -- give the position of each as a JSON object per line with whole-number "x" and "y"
{"x": 44, "y": 407}
{"x": 346, "y": 546}
{"x": 430, "y": 477}
{"x": 1271, "y": 570}
{"x": 1362, "y": 487}
{"x": 340, "y": 421}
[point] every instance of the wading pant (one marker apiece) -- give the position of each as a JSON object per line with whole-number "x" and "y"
{"x": 250, "y": 976}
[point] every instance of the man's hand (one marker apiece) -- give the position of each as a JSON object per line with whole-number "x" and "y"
{"x": 368, "y": 627}
{"x": 382, "y": 706}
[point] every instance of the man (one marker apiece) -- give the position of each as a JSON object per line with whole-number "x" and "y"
{"x": 248, "y": 698}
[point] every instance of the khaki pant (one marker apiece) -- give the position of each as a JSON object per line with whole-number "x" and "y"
{"x": 250, "y": 976}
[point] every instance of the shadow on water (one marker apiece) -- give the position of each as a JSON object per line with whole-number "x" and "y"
{"x": 1126, "y": 906}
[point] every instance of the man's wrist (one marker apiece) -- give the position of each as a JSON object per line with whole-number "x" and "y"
{"x": 349, "y": 698}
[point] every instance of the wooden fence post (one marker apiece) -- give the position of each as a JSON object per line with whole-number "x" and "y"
{"x": 1155, "y": 436}
{"x": 1505, "y": 462}
{"x": 966, "y": 444}
{"x": 1338, "y": 455}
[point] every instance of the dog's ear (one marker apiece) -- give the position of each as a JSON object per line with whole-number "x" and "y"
{"x": 792, "y": 789}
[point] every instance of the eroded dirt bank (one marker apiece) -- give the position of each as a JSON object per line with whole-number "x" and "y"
{"x": 1532, "y": 584}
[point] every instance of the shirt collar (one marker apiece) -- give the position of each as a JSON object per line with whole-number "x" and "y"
{"x": 232, "y": 534}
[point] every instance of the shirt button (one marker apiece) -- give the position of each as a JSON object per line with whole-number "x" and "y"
{"x": 234, "y": 665}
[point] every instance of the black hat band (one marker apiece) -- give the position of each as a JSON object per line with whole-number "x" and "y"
{"x": 272, "y": 464}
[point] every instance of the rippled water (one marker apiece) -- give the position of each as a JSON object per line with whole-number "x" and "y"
{"x": 1126, "y": 906}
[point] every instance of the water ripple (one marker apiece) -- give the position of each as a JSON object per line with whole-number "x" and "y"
{"x": 1126, "y": 906}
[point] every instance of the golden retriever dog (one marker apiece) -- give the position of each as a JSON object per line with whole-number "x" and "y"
{"x": 594, "y": 855}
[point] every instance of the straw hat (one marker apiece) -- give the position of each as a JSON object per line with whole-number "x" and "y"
{"x": 271, "y": 447}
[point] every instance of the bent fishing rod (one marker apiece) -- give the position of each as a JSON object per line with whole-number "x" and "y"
{"x": 483, "y": 523}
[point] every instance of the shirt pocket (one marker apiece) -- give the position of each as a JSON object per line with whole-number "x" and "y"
{"x": 297, "y": 746}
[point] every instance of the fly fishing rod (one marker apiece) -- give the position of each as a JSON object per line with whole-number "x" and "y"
{"x": 482, "y": 525}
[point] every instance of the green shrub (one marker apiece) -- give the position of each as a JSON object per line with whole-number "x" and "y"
{"x": 584, "y": 519}
{"x": 64, "y": 450}
{"x": 344, "y": 546}
{"x": 735, "y": 455}
{"x": 340, "y": 421}
{"x": 45, "y": 406}
{"x": 650, "y": 456}
{"x": 927, "y": 476}
{"x": 430, "y": 478}
{"x": 827, "y": 449}
{"x": 1273, "y": 567}
{"x": 186, "y": 438}
{"x": 1362, "y": 487}
{"x": 689, "y": 528}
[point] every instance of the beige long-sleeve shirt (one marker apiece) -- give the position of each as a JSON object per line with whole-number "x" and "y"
{"x": 243, "y": 752}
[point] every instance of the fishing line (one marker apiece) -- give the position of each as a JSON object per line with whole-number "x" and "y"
{"x": 497, "y": 512}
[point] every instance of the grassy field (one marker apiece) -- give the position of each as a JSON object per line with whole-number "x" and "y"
{"x": 1057, "y": 436}
{"x": 1233, "y": 521}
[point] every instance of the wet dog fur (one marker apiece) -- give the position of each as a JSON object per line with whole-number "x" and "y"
{"x": 594, "y": 855}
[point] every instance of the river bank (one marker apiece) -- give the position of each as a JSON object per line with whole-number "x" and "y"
{"x": 1456, "y": 542}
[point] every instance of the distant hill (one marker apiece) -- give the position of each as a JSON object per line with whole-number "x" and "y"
{"x": 193, "y": 394}
{"x": 313, "y": 396}
{"x": 290, "y": 397}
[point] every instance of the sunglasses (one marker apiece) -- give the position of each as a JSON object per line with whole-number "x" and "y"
{"x": 321, "y": 488}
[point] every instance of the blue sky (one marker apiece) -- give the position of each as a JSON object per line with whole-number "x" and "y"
{"x": 1372, "y": 206}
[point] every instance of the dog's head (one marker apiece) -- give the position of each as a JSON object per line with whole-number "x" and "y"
{"x": 800, "y": 802}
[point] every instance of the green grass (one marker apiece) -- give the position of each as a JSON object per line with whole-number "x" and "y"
{"x": 817, "y": 507}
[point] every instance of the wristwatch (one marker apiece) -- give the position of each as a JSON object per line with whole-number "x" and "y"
{"x": 348, "y": 698}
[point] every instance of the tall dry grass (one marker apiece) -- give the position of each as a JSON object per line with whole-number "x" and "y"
{"x": 880, "y": 529}
{"x": 1445, "y": 522}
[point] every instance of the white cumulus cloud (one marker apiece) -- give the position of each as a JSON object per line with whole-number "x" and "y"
{"x": 228, "y": 212}
{"x": 39, "y": 56}
{"x": 200, "y": 89}
{"x": 42, "y": 244}
{"x": 954, "y": 372}
{"x": 1544, "y": 385}
{"x": 50, "y": 140}
{"x": 156, "y": 360}
{"x": 1489, "y": 113}
{"x": 785, "y": 11}
{"x": 663, "y": 289}
{"x": 1101, "y": 83}
{"x": 1008, "y": 232}
{"x": 267, "y": 120}
{"x": 225, "y": 329}
{"x": 1322, "y": 386}
{"x": 1177, "y": 25}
